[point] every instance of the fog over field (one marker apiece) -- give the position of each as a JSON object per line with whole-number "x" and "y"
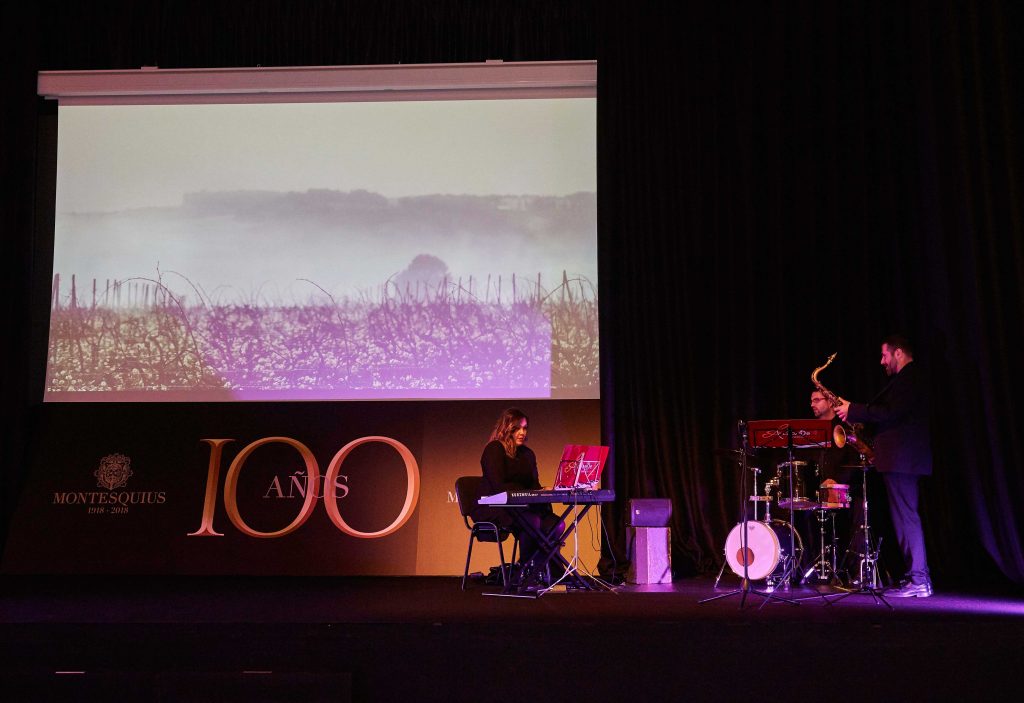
{"x": 245, "y": 241}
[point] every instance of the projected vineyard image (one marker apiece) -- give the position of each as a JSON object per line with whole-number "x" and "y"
{"x": 357, "y": 251}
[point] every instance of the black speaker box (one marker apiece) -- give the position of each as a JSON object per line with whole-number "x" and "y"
{"x": 650, "y": 512}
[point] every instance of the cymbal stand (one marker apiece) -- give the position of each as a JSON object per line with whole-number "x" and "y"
{"x": 870, "y": 585}
{"x": 753, "y": 496}
{"x": 825, "y": 563}
{"x": 767, "y": 505}
{"x": 720, "y": 572}
{"x": 745, "y": 588}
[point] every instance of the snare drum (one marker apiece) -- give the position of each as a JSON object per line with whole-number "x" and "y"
{"x": 834, "y": 495}
{"x": 804, "y": 476}
{"x": 767, "y": 552}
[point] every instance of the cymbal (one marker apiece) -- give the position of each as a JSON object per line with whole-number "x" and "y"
{"x": 733, "y": 454}
{"x": 857, "y": 466}
{"x": 798, "y": 504}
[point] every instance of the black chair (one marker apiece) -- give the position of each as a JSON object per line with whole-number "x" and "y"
{"x": 467, "y": 492}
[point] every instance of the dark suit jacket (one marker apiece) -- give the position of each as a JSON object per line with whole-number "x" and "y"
{"x": 899, "y": 418}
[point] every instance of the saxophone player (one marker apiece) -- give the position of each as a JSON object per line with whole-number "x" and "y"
{"x": 902, "y": 446}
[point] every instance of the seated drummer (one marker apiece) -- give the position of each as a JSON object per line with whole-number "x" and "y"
{"x": 835, "y": 467}
{"x": 509, "y": 465}
{"x": 836, "y": 462}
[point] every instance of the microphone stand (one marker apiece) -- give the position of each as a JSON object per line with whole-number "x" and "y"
{"x": 745, "y": 588}
{"x": 787, "y": 577}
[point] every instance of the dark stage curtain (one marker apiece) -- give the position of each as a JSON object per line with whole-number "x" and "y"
{"x": 788, "y": 184}
{"x": 777, "y": 183}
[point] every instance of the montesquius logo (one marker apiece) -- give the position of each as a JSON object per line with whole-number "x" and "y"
{"x": 114, "y": 471}
{"x": 112, "y": 474}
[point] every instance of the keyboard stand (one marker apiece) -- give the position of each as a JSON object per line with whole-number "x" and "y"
{"x": 527, "y": 585}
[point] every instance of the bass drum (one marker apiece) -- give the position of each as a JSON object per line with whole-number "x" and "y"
{"x": 767, "y": 549}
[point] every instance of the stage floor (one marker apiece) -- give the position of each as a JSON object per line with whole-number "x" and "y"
{"x": 414, "y": 638}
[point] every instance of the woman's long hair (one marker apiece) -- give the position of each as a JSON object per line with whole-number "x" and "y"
{"x": 507, "y": 424}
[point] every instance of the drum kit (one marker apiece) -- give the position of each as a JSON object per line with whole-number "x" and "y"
{"x": 771, "y": 550}
{"x": 775, "y": 550}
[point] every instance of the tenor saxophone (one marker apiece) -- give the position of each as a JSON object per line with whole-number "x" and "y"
{"x": 843, "y": 432}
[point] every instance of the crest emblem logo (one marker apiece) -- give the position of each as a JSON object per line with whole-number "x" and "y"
{"x": 114, "y": 471}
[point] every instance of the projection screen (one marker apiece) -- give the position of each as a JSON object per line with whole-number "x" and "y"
{"x": 407, "y": 232}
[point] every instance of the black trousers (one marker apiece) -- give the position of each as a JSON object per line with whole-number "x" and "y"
{"x": 544, "y": 521}
{"x": 903, "y": 493}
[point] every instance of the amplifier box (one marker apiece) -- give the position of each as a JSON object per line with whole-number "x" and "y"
{"x": 650, "y": 512}
{"x": 650, "y": 555}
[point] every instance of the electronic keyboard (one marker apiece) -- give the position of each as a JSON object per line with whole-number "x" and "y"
{"x": 582, "y": 496}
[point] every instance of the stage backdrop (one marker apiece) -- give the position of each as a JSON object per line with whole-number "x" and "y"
{"x": 269, "y": 488}
{"x": 424, "y": 235}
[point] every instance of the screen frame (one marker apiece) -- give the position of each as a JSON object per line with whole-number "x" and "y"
{"x": 477, "y": 81}
{"x": 151, "y": 85}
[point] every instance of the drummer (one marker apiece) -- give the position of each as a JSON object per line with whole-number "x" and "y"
{"x": 835, "y": 466}
{"x": 834, "y": 459}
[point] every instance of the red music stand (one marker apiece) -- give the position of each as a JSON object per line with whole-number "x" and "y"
{"x": 790, "y": 434}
